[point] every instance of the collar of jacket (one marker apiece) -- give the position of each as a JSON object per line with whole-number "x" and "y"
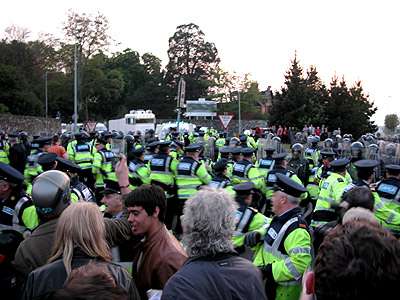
{"x": 149, "y": 240}
{"x": 288, "y": 215}
{"x": 215, "y": 257}
{"x": 45, "y": 228}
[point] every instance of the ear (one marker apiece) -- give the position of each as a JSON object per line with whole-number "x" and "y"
{"x": 156, "y": 212}
{"x": 310, "y": 282}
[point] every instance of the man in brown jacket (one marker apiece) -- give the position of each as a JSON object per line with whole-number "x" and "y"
{"x": 159, "y": 255}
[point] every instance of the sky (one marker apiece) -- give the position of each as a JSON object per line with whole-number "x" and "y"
{"x": 359, "y": 40}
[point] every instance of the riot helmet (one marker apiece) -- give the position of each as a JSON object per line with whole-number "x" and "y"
{"x": 51, "y": 194}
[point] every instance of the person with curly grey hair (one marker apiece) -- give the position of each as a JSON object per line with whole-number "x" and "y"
{"x": 213, "y": 270}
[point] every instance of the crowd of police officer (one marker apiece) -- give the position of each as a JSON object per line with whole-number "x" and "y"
{"x": 248, "y": 167}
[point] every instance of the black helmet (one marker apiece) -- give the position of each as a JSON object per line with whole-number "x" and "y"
{"x": 51, "y": 193}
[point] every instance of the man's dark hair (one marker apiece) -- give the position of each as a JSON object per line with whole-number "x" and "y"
{"x": 149, "y": 197}
{"x": 92, "y": 281}
{"x": 357, "y": 260}
{"x": 360, "y": 196}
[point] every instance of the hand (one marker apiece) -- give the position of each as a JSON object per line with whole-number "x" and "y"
{"x": 252, "y": 238}
{"x": 122, "y": 171}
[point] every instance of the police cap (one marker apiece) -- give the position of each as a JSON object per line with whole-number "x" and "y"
{"x": 111, "y": 187}
{"x": 163, "y": 144}
{"x": 9, "y": 174}
{"x": 395, "y": 169}
{"x": 247, "y": 151}
{"x": 236, "y": 150}
{"x": 225, "y": 149}
{"x": 245, "y": 188}
{"x": 339, "y": 163}
{"x": 279, "y": 156}
{"x": 220, "y": 165}
{"x": 325, "y": 153}
{"x": 47, "y": 158}
{"x": 152, "y": 146}
{"x": 43, "y": 141}
{"x": 366, "y": 164}
{"x": 193, "y": 147}
{"x": 289, "y": 186}
{"x": 66, "y": 165}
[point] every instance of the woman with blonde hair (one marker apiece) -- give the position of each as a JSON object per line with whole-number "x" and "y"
{"x": 79, "y": 239}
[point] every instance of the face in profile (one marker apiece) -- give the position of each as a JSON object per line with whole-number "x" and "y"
{"x": 140, "y": 220}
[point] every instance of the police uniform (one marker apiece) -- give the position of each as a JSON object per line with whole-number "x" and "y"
{"x": 104, "y": 166}
{"x": 17, "y": 210}
{"x": 191, "y": 174}
{"x": 386, "y": 215}
{"x": 163, "y": 169}
{"x": 150, "y": 151}
{"x": 139, "y": 172}
{"x": 266, "y": 163}
{"x": 4, "y": 151}
{"x": 389, "y": 189}
{"x": 82, "y": 153}
{"x": 32, "y": 168}
{"x": 330, "y": 194}
{"x": 244, "y": 171}
{"x": 248, "y": 219}
{"x": 79, "y": 191}
{"x": 286, "y": 250}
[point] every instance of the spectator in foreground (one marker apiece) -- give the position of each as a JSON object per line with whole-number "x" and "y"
{"x": 92, "y": 281}
{"x": 79, "y": 239}
{"x": 160, "y": 255}
{"x": 214, "y": 270}
{"x": 347, "y": 269}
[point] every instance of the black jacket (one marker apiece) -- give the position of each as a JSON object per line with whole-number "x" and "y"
{"x": 45, "y": 280}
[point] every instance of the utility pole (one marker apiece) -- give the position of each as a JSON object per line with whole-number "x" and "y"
{"x": 180, "y": 100}
{"x": 75, "y": 90}
{"x": 240, "y": 117}
{"x": 46, "y": 102}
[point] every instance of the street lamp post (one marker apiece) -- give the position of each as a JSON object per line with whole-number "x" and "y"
{"x": 239, "y": 114}
{"x": 46, "y": 102}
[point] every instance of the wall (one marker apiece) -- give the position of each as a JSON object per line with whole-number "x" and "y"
{"x": 32, "y": 125}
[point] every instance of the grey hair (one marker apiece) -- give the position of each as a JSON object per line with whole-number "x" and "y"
{"x": 208, "y": 223}
{"x": 292, "y": 199}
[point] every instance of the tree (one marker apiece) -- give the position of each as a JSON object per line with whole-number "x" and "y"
{"x": 391, "y": 122}
{"x": 289, "y": 105}
{"x": 89, "y": 32}
{"x": 192, "y": 57}
{"x": 349, "y": 108}
{"x": 16, "y": 33}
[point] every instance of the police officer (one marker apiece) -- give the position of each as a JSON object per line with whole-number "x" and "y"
{"x": 356, "y": 154}
{"x": 139, "y": 172}
{"x": 312, "y": 151}
{"x": 286, "y": 250}
{"x": 151, "y": 150}
{"x": 389, "y": 188}
{"x": 82, "y": 153}
{"x": 17, "y": 153}
{"x": 48, "y": 161}
{"x": 103, "y": 165}
{"x": 79, "y": 191}
{"x": 32, "y": 168}
{"x": 330, "y": 194}
{"x": 266, "y": 163}
{"x": 191, "y": 174}
{"x": 388, "y": 217}
{"x": 4, "y": 148}
{"x": 16, "y": 209}
{"x": 176, "y": 149}
{"x": 248, "y": 218}
{"x": 220, "y": 142}
{"x": 220, "y": 180}
{"x": 163, "y": 169}
{"x": 324, "y": 170}
{"x": 298, "y": 164}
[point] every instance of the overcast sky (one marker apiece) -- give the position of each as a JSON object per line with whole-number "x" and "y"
{"x": 357, "y": 39}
